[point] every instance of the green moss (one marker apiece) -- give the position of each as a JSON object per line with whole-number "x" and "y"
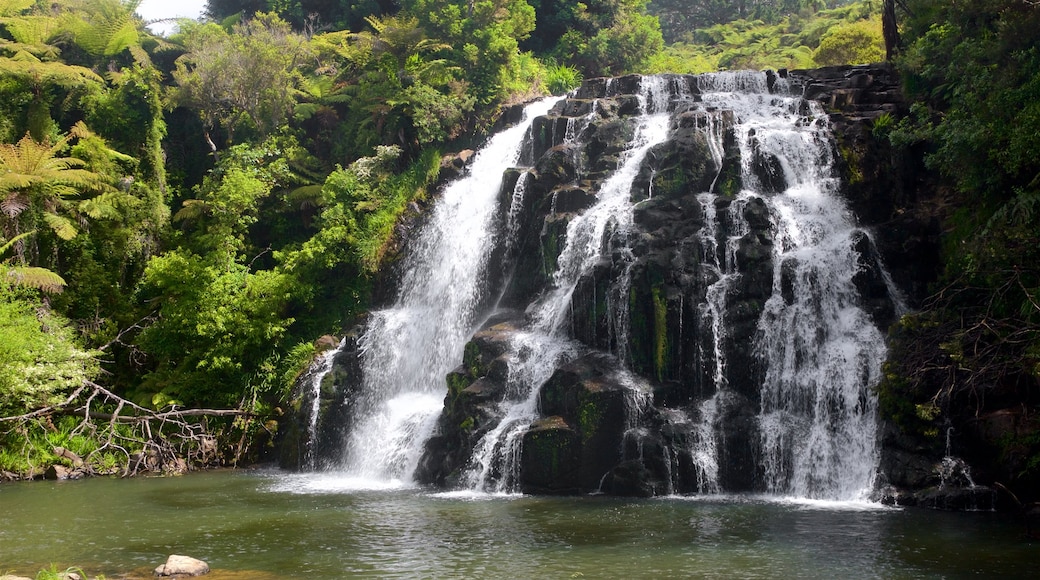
{"x": 853, "y": 160}
{"x": 669, "y": 183}
{"x": 471, "y": 359}
{"x": 467, "y": 424}
{"x": 661, "y": 357}
{"x": 590, "y": 416}
{"x": 456, "y": 383}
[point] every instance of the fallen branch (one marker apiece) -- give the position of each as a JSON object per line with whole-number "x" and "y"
{"x": 143, "y": 439}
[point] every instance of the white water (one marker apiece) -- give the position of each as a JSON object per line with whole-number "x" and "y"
{"x": 408, "y": 348}
{"x": 537, "y": 353}
{"x": 821, "y": 352}
{"x": 321, "y": 367}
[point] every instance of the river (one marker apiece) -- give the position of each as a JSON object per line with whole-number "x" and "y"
{"x": 271, "y": 524}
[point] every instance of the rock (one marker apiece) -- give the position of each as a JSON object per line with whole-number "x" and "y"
{"x": 13, "y": 577}
{"x": 57, "y": 472}
{"x": 550, "y": 458}
{"x": 182, "y": 566}
{"x": 326, "y": 342}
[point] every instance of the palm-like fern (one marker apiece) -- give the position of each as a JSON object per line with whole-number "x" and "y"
{"x": 28, "y": 276}
{"x": 35, "y": 174}
{"x": 105, "y": 28}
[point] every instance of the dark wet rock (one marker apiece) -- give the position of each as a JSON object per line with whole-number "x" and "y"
{"x": 582, "y": 443}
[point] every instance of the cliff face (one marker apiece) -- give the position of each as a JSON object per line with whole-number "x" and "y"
{"x": 584, "y": 438}
{"x": 583, "y": 444}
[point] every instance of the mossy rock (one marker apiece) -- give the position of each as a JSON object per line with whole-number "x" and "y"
{"x": 550, "y": 458}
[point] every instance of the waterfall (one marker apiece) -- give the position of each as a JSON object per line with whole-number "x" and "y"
{"x": 822, "y": 351}
{"x": 537, "y": 352}
{"x": 311, "y": 381}
{"x": 749, "y": 262}
{"x": 407, "y": 349}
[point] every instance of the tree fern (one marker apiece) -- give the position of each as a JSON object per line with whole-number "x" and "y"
{"x": 105, "y": 28}
{"x": 28, "y": 276}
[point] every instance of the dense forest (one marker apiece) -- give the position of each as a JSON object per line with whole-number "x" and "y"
{"x": 182, "y": 217}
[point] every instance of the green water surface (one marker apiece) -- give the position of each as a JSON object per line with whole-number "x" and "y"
{"x": 274, "y": 525}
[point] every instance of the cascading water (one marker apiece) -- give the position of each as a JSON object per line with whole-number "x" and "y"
{"x": 408, "y": 348}
{"x": 822, "y": 352}
{"x": 776, "y": 343}
{"x": 537, "y": 352}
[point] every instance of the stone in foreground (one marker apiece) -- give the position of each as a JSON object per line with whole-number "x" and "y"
{"x": 182, "y": 566}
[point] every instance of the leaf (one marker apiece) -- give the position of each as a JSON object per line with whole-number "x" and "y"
{"x": 14, "y": 204}
{"x": 33, "y": 277}
{"x": 192, "y": 209}
{"x": 103, "y": 206}
{"x": 62, "y": 226}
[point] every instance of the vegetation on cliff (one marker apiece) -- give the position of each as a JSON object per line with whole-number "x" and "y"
{"x": 967, "y": 365}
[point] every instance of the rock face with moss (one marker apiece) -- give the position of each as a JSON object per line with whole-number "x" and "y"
{"x": 619, "y": 415}
{"x": 584, "y": 439}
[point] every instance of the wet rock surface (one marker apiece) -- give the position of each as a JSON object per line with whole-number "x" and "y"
{"x": 585, "y": 440}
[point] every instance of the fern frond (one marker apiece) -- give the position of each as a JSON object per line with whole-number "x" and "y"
{"x": 14, "y": 204}
{"x": 14, "y": 7}
{"x": 61, "y": 225}
{"x": 191, "y": 209}
{"x": 105, "y": 205}
{"x": 34, "y": 277}
{"x": 10, "y": 243}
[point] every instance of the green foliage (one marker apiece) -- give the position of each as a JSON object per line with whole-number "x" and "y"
{"x": 610, "y": 38}
{"x": 790, "y": 40}
{"x": 361, "y": 205}
{"x": 975, "y": 69}
{"x": 53, "y": 573}
{"x": 218, "y": 330}
{"x": 40, "y": 362}
{"x": 561, "y": 78}
{"x": 860, "y": 42}
{"x": 243, "y": 80}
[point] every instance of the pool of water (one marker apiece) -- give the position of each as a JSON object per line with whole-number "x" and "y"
{"x": 269, "y": 524}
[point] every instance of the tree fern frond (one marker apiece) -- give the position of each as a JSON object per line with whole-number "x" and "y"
{"x": 32, "y": 30}
{"x": 105, "y": 205}
{"x": 34, "y": 277}
{"x": 14, "y": 7}
{"x": 14, "y": 204}
{"x": 10, "y": 243}
{"x": 191, "y": 209}
{"x": 61, "y": 225}
{"x": 305, "y": 196}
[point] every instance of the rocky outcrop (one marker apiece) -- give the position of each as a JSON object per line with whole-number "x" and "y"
{"x": 888, "y": 188}
{"x": 620, "y": 414}
{"x": 590, "y": 438}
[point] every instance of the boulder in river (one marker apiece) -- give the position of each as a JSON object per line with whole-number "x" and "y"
{"x": 182, "y": 566}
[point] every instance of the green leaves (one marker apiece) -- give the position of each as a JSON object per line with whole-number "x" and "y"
{"x": 39, "y": 361}
{"x": 245, "y": 80}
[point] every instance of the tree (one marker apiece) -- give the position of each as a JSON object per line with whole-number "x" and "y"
{"x": 857, "y": 43}
{"x": 611, "y": 38}
{"x": 404, "y": 95}
{"x": 38, "y": 184}
{"x": 241, "y": 81}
